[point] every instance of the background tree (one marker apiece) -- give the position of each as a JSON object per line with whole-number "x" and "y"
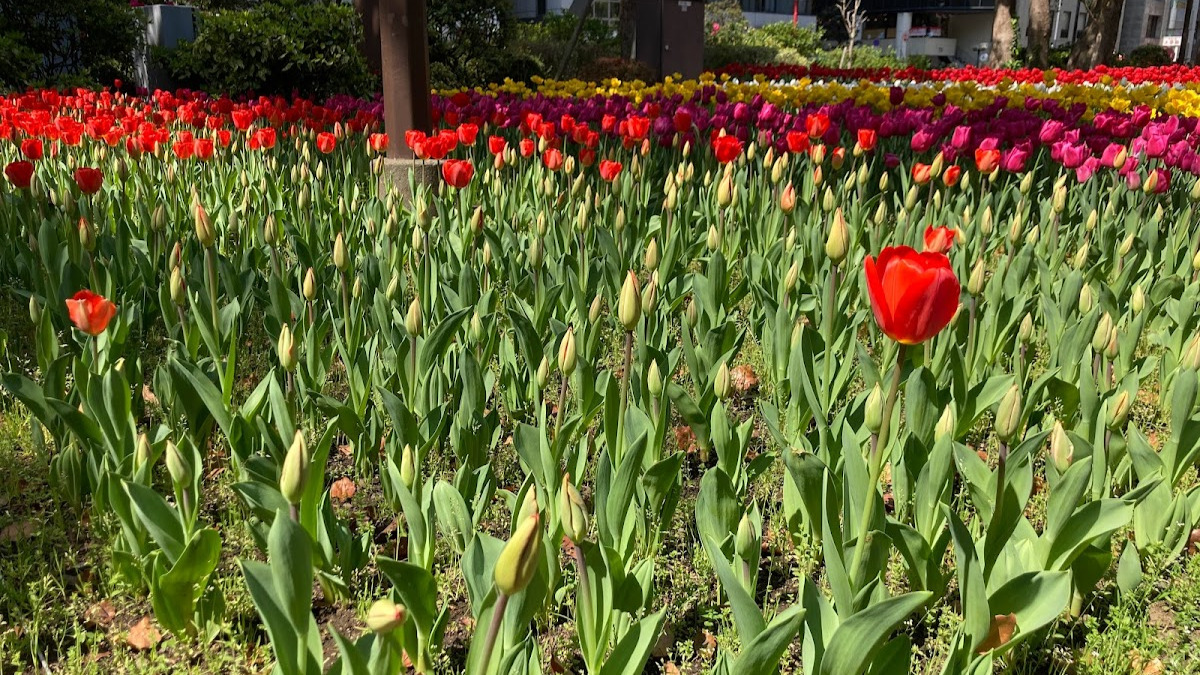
{"x": 852, "y": 19}
{"x": 67, "y": 41}
{"x": 1002, "y": 35}
{"x": 1099, "y": 37}
{"x": 1039, "y": 33}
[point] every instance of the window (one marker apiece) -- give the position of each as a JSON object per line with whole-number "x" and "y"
{"x": 1064, "y": 25}
{"x": 1152, "y": 25}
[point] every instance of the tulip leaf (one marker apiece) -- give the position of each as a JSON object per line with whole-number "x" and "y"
{"x": 1094, "y": 519}
{"x": 1036, "y": 598}
{"x": 435, "y": 344}
{"x": 853, "y": 646}
{"x": 972, "y": 591}
{"x": 180, "y": 587}
{"x": 747, "y": 617}
{"x": 159, "y": 519}
{"x": 283, "y": 636}
{"x": 761, "y": 655}
{"x": 631, "y": 652}
{"x": 417, "y": 590}
{"x": 290, "y": 552}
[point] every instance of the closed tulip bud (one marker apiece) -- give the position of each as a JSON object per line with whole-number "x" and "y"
{"x": 797, "y": 334}
{"x": 651, "y": 258}
{"x": 566, "y": 352}
{"x": 818, "y": 175}
{"x": 837, "y": 245}
{"x": 1151, "y": 182}
{"x": 1113, "y": 347}
{"x": 1026, "y": 183}
{"x": 1092, "y": 219}
{"x": 340, "y": 259}
{"x": 178, "y": 466}
{"x": 285, "y": 349}
{"x": 542, "y": 377}
{"x": 787, "y": 199}
{"x": 619, "y": 221}
{"x": 1032, "y": 237}
{"x": 294, "y": 475}
{"x": 880, "y": 216}
{"x": 581, "y": 217}
{"x": 1103, "y": 328}
{"x": 828, "y": 201}
{"x": 672, "y": 200}
{"x": 1081, "y": 257}
{"x": 793, "y": 274}
{"x": 777, "y": 171}
{"x": 1062, "y": 450}
{"x": 594, "y": 310}
{"x": 178, "y": 288}
{"x": 629, "y": 306}
{"x": 714, "y": 238}
{"x": 654, "y": 381}
{"x": 574, "y": 511}
{"x": 1126, "y": 246}
{"x": 817, "y": 154}
{"x": 1086, "y": 299}
{"x": 142, "y": 453}
{"x": 883, "y": 182}
{"x": 309, "y": 288}
{"x": 1059, "y": 200}
{"x": 270, "y": 230}
{"x": 1025, "y": 331}
{"x": 1008, "y": 415}
{"x": 393, "y": 289}
{"x": 35, "y": 310}
{"x": 413, "y": 322}
{"x": 863, "y": 176}
{"x": 911, "y": 197}
{"x": 790, "y": 242}
{"x": 476, "y": 327}
{"x": 873, "y": 411}
{"x": 650, "y": 294}
{"x": 536, "y": 252}
{"x": 935, "y": 168}
{"x": 1196, "y": 262}
{"x": 725, "y": 190}
{"x": 87, "y": 236}
{"x": 1137, "y": 301}
{"x": 978, "y": 276}
{"x": 487, "y": 253}
{"x": 385, "y": 616}
{"x": 519, "y": 558}
{"x": 947, "y": 424}
{"x": 158, "y": 220}
{"x": 746, "y": 542}
{"x": 723, "y": 383}
{"x": 1194, "y": 193}
{"x": 692, "y": 314}
{"x": 1191, "y": 354}
{"x": 357, "y": 289}
{"x": 1118, "y": 412}
{"x": 408, "y": 466}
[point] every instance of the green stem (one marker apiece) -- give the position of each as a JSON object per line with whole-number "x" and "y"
{"x": 346, "y": 310}
{"x": 562, "y": 408}
{"x": 624, "y": 395}
{"x": 830, "y": 318}
{"x": 489, "y": 642}
{"x": 583, "y": 597}
{"x": 210, "y": 259}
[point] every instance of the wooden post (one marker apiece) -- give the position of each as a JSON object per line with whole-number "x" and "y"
{"x": 404, "y": 59}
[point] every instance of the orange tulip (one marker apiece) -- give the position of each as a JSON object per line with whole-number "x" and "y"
{"x": 90, "y": 312}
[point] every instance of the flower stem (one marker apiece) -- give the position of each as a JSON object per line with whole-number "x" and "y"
{"x": 562, "y": 408}
{"x": 494, "y": 628}
{"x": 830, "y": 317}
{"x": 210, "y": 259}
{"x": 624, "y": 395}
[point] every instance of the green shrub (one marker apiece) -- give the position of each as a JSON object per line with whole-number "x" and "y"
{"x": 546, "y": 42}
{"x": 735, "y": 41}
{"x": 612, "y": 66}
{"x": 805, "y": 41}
{"x": 1149, "y": 55}
{"x": 864, "y": 56}
{"x": 275, "y": 48}
{"x": 67, "y": 41}
{"x": 470, "y": 42}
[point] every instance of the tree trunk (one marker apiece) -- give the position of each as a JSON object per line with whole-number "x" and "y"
{"x": 1186, "y": 42}
{"x": 1099, "y": 36}
{"x": 626, "y": 27}
{"x": 1002, "y": 35}
{"x": 1039, "y": 33}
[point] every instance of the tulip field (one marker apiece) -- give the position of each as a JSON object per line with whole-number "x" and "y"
{"x": 773, "y": 371}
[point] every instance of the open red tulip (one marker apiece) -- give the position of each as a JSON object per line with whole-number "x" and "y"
{"x": 90, "y": 312}
{"x": 913, "y": 295}
{"x": 939, "y": 239}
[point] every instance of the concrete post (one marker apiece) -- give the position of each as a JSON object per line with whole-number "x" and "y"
{"x": 903, "y": 26}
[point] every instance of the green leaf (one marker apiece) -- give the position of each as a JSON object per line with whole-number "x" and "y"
{"x": 290, "y": 552}
{"x": 972, "y": 589}
{"x": 434, "y": 346}
{"x": 1036, "y": 598}
{"x": 856, "y": 641}
{"x": 761, "y": 655}
{"x": 1092, "y": 520}
{"x": 630, "y": 654}
{"x": 747, "y": 617}
{"x": 180, "y": 587}
{"x": 159, "y": 519}
{"x": 417, "y": 590}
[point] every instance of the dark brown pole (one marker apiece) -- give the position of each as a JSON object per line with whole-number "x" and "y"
{"x": 404, "y": 52}
{"x": 368, "y": 11}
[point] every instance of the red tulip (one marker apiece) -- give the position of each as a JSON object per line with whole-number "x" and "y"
{"x": 242, "y": 119}
{"x": 939, "y": 239}
{"x": 88, "y": 179}
{"x": 32, "y": 148}
{"x": 496, "y": 144}
{"x": 527, "y": 146}
{"x": 90, "y": 312}
{"x": 377, "y": 142}
{"x": 867, "y": 139}
{"x": 987, "y": 161}
{"x": 921, "y": 173}
{"x": 467, "y": 133}
{"x": 458, "y": 172}
{"x": 552, "y": 159}
{"x": 20, "y": 174}
{"x": 587, "y": 156}
{"x": 727, "y": 148}
{"x": 205, "y": 148}
{"x": 638, "y": 127}
{"x": 951, "y": 175}
{"x": 913, "y": 295}
{"x": 609, "y": 170}
{"x": 816, "y": 124}
{"x": 797, "y": 142}
{"x": 413, "y": 138}
{"x": 184, "y": 149}
{"x": 326, "y": 142}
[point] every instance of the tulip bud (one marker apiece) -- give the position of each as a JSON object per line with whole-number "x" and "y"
{"x": 1118, "y": 412}
{"x": 87, "y": 236}
{"x": 1008, "y": 415}
{"x": 1059, "y": 200}
{"x": 35, "y": 310}
{"x": 1151, "y": 183}
{"x": 818, "y": 175}
{"x": 178, "y": 288}
{"x": 714, "y": 238}
{"x": 205, "y": 233}
{"x": 581, "y": 217}
{"x": 574, "y": 511}
{"x": 340, "y": 260}
{"x": 178, "y": 466}
{"x": 746, "y": 542}
{"x": 1103, "y": 328}
{"x": 837, "y": 245}
{"x": 413, "y": 323}
{"x": 519, "y": 558}
{"x": 629, "y": 306}
{"x": 566, "y": 352}
{"x": 142, "y": 453}
{"x": 1113, "y": 347}
{"x": 310, "y": 285}
{"x": 793, "y": 275}
{"x": 787, "y": 199}
{"x": 294, "y": 475}
{"x": 1025, "y": 331}
{"x": 393, "y": 289}
{"x": 1138, "y": 300}
{"x": 542, "y": 376}
{"x": 1086, "y": 299}
{"x": 1081, "y": 257}
{"x": 722, "y": 383}
{"x": 873, "y": 411}
{"x": 911, "y": 197}
{"x": 828, "y": 201}
{"x": 790, "y": 243}
{"x": 654, "y": 381}
{"x": 883, "y": 182}
{"x": 1062, "y": 450}
{"x": 651, "y": 258}
{"x": 408, "y": 467}
{"x": 1026, "y": 183}
{"x": 650, "y": 294}
{"x": 619, "y": 221}
{"x": 976, "y": 281}
{"x": 536, "y": 252}
{"x": 776, "y": 170}
{"x": 385, "y": 616}
{"x": 594, "y": 310}
{"x": 285, "y": 349}
{"x": 947, "y": 424}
